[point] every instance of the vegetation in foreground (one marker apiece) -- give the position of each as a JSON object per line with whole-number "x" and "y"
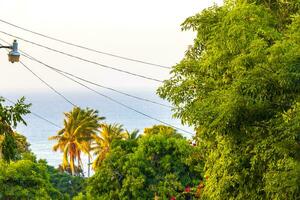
{"x": 160, "y": 160}
{"x": 238, "y": 86}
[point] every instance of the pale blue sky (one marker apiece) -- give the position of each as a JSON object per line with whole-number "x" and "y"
{"x": 146, "y": 30}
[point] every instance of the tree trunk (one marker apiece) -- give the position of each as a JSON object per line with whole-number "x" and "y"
{"x": 89, "y": 165}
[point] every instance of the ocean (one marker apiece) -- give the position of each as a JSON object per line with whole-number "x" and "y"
{"x": 51, "y": 106}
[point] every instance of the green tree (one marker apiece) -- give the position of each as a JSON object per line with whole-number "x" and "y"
{"x": 22, "y": 143}
{"x": 80, "y": 125}
{"x": 161, "y": 129}
{"x": 10, "y": 116}
{"x": 25, "y": 179}
{"x": 132, "y": 135}
{"x": 15, "y": 144}
{"x": 66, "y": 184}
{"x": 102, "y": 142}
{"x": 55, "y": 184}
{"x": 236, "y": 85}
{"x": 157, "y": 163}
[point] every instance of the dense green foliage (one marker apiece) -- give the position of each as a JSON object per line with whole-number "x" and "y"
{"x": 161, "y": 163}
{"x": 65, "y": 183}
{"x": 10, "y": 116}
{"x": 26, "y": 179}
{"x": 29, "y": 179}
{"x": 239, "y": 85}
{"x": 23, "y": 177}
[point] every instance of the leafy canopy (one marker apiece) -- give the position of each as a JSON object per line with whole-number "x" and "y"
{"x": 10, "y": 116}
{"x": 157, "y": 163}
{"x": 26, "y": 179}
{"x": 239, "y": 85}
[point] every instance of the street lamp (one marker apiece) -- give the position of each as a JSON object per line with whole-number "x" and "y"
{"x": 14, "y": 54}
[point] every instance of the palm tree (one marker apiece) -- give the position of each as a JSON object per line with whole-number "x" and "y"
{"x": 79, "y": 127}
{"x": 132, "y": 135}
{"x": 102, "y": 142}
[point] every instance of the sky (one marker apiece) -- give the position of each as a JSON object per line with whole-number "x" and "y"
{"x": 139, "y": 29}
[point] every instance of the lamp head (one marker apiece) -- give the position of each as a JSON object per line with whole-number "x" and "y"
{"x": 14, "y": 55}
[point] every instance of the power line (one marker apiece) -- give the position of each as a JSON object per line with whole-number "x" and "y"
{"x": 48, "y": 85}
{"x": 86, "y": 48}
{"x": 93, "y": 83}
{"x": 83, "y": 59}
{"x": 126, "y": 106}
{"x": 112, "y": 99}
{"x": 118, "y": 102}
{"x": 35, "y": 114}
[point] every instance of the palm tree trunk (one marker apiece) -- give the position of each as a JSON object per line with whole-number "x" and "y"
{"x": 89, "y": 165}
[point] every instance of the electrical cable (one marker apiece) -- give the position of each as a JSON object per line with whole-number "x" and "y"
{"x": 120, "y": 103}
{"x": 83, "y": 47}
{"x": 35, "y": 114}
{"x": 83, "y": 59}
{"x": 128, "y": 107}
{"x": 115, "y": 101}
{"x": 93, "y": 83}
{"x": 48, "y": 85}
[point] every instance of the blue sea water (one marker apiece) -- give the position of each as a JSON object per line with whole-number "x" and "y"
{"x": 51, "y": 106}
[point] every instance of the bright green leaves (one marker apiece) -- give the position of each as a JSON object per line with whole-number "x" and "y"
{"x": 239, "y": 86}
{"x": 160, "y": 162}
{"x": 26, "y": 180}
{"x": 10, "y": 116}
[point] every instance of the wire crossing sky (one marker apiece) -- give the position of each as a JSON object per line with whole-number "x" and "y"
{"x": 143, "y": 39}
{"x": 82, "y": 59}
{"x": 142, "y": 30}
{"x": 33, "y": 113}
{"x": 95, "y": 84}
{"x": 83, "y": 47}
{"x": 89, "y": 88}
{"x": 48, "y": 85}
{"x": 103, "y": 95}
